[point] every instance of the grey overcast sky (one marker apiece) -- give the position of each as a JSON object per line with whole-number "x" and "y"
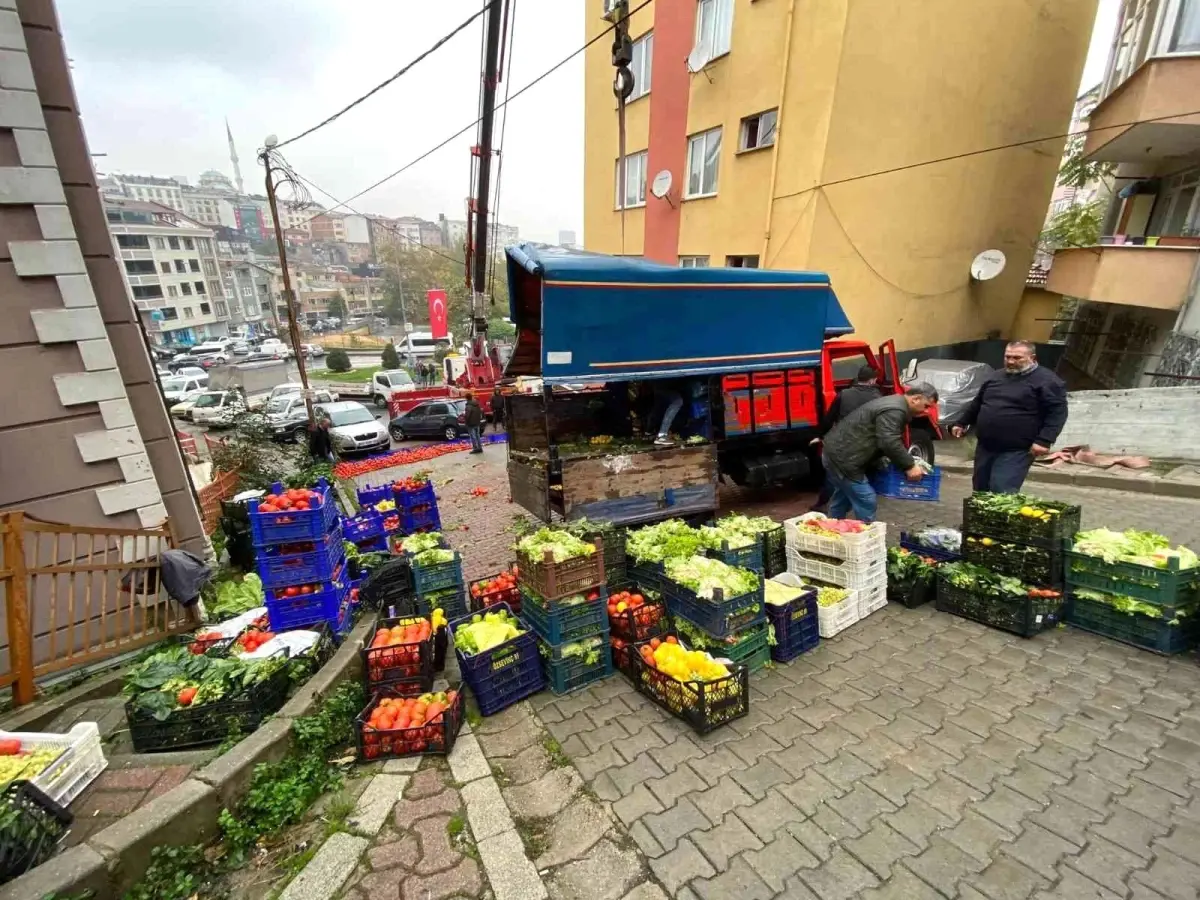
{"x": 157, "y": 78}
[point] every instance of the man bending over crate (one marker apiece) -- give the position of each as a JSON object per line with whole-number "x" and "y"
{"x": 874, "y": 429}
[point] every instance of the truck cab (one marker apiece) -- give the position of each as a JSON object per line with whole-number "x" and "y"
{"x": 384, "y": 384}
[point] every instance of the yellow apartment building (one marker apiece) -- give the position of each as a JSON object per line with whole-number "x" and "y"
{"x": 841, "y": 136}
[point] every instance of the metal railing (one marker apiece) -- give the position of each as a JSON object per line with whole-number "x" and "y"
{"x": 76, "y": 595}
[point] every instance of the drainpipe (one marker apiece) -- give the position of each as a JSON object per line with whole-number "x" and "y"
{"x": 787, "y": 59}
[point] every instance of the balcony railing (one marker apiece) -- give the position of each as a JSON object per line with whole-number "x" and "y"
{"x": 1150, "y": 276}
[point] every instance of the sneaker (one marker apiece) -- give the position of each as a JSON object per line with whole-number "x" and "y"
{"x": 663, "y": 441}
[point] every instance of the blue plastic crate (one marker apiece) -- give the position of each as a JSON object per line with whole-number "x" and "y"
{"x": 434, "y": 577}
{"x": 364, "y": 527}
{"x": 797, "y": 629}
{"x": 503, "y": 675}
{"x": 369, "y": 496}
{"x": 279, "y": 569}
{"x": 743, "y": 557}
{"x": 572, "y": 673}
{"x": 719, "y": 618}
{"x": 410, "y": 500}
{"x": 426, "y": 520}
{"x": 645, "y": 575}
{"x": 374, "y": 545}
{"x": 291, "y": 526}
{"x": 892, "y": 483}
{"x": 558, "y": 623}
{"x": 326, "y": 605}
{"x": 911, "y": 544}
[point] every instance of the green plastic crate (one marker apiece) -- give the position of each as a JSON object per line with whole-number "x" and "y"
{"x": 1162, "y": 587}
{"x": 1136, "y": 629}
{"x": 752, "y": 650}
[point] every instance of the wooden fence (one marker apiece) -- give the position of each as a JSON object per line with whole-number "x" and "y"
{"x": 76, "y": 595}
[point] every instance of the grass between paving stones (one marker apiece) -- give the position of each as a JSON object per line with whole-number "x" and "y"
{"x": 278, "y": 796}
{"x": 554, "y": 750}
{"x": 535, "y": 835}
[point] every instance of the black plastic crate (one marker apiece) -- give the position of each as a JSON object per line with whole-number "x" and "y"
{"x": 197, "y": 726}
{"x": 705, "y": 705}
{"x": 622, "y": 653}
{"x": 1031, "y": 563}
{"x": 773, "y": 545}
{"x": 911, "y": 593}
{"x": 613, "y": 541}
{"x": 1167, "y": 634}
{"x": 407, "y": 668}
{"x": 420, "y": 740}
{"x": 31, "y": 825}
{"x": 451, "y": 601}
{"x": 1018, "y": 529}
{"x": 796, "y": 625}
{"x": 1172, "y": 586}
{"x": 387, "y": 585}
{"x": 639, "y": 623}
{"x": 646, "y": 575}
{"x": 1026, "y": 616}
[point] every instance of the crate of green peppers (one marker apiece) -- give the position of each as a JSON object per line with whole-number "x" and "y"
{"x": 910, "y": 577}
{"x": 999, "y": 601}
{"x": 1020, "y": 519}
{"x": 1137, "y": 564}
{"x": 1029, "y": 562}
{"x": 177, "y": 699}
{"x": 1161, "y": 629}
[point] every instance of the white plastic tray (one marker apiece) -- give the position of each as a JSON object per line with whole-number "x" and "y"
{"x": 80, "y": 763}
{"x": 837, "y": 618}
{"x": 863, "y": 573}
{"x": 865, "y": 545}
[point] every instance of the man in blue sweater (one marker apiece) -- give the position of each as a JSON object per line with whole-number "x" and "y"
{"x": 1018, "y": 415}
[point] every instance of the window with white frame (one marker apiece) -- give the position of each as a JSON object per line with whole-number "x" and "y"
{"x": 1186, "y": 36}
{"x": 758, "y": 131}
{"x": 703, "y": 159}
{"x": 1133, "y": 40}
{"x": 1177, "y": 209}
{"x": 714, "y": 25}
{"x": 643, "y": 57}
{"x": 631, "y": 185}
{"x": 693, "y": 262}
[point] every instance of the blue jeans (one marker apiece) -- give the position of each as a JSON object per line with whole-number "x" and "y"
{"x": 848, "y": 495}
{"x": 476, "y": 443}
{"x": 671, "y": 410}
{"x": 1001, "y": 471}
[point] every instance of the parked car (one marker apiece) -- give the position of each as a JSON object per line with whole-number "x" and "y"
{"x": 314, "y": 350}
{"x": 354, "y": 428}
{"x": 275, "y": 347}
{"x": 957, "y": 382}
{"x": 183, "y": 359}
{"x": 212, "y": 361}
{"x": 441, "y": 418}
{"x": 183, "y": 387}
{"x": 193, "y": 372}
{"x": 241, "y": 348}
{"x": 287, "y": 414}
{"x": 218, "y": 408}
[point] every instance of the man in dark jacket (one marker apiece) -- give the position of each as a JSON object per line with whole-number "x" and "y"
{"x": 474, "y": 423}
{"x": 1018, "y": 415}
{"x": 872, "y": 430}
{"x": 320, "y": 441}
{"x": 497, "y": 408}
{"x": 864, "y": 389}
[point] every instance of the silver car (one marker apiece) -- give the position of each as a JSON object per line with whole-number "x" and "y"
{"x": 354, "y": 428}
{"x": 957, "y": 382}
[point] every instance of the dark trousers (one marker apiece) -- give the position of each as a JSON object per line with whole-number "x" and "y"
{"x": 1001, "y": 471}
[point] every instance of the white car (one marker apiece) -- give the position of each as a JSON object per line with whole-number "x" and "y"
{"x": 183, "y": 409}
{"x": 217, "y": 408}
{"x": 179, "y": 388}
{"x": 353, "y": 428}
{"x": 275, "y": 347}
{"x": 287, "y": 413}
{"x": 313, "y": 350}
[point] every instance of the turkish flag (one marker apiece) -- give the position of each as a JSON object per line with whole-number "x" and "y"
{"x": 437, "y": 313}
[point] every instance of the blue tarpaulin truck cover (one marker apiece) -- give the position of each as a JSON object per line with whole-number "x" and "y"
{"x": 587, "y": 317}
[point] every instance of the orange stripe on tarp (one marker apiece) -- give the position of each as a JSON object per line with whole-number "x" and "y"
{"x": 702, "y": 359}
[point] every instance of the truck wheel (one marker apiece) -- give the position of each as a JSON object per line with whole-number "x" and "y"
{"x": 920, "y": 444}
{"x": 380, "y": 401}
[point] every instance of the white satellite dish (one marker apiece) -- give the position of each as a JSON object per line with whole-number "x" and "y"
{"x": 700, "y": 57}
{"x": 661, "y": 185}
{"x": 270, "y": 141}
{"x": 987, "y": 265}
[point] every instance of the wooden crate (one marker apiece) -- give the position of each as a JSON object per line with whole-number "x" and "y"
{"x": 627, "y": 488}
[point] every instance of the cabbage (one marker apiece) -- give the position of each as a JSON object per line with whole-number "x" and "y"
{"x": 433, "y": 557}
{"x": 418, "y": 543}
{"x": 562, "y": 545}
{"x": 705, "y": 576}
{"x": 1143, "y": 548}
{"x": 666, "y": 540}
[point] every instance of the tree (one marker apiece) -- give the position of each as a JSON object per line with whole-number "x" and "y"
{"x": 1078, "y": 172}
{"x": 337, "y": 307}
{"x": 391, "y": 359}
{"x": 338, "y": 360}
{"x": 1076, "y": 226}
{"x": 420, "y": 270}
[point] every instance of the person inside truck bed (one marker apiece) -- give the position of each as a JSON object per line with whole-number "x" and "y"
{"x": 668, "y": 401}
{"x": 874, "y": 429}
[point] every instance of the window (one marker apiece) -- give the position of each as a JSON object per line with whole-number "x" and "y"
{"x": 204, "y": 244}
{"x": 187, "y": 312}
{"x": 139, "y": 267}
{"x": 172, "y": 291}
{"x": 194, "y": 265}
{"x": 693, "y": 262}
{"x": 1186, "y": 38}
{"x": 132, "y": 241}
{"x": 742, "y": 262}
{"x": 210, "y": 267}
{"x": 704, "y": 154}
{"x": 173, "y": 243}
{"x": 635, "y": 181}
{"x": 180, "y": 266}
{"x": 200, "y": 288}
{"x": 205, "y": 309}
{"x": 1177, "y": 209}
{"x": 714, "y": 25}
{"x": 758, "y": 131}
{"x": 214, "y": 288}
{"x": 160, "y": 244}
{"x": 643, "y": 56}
{"x": 247, "y": 290}
{"x": 251, "y": 309}
{"x": 189, "y": 244}
{"x": 147, "y": 292}
{"x": 222, "y": 310}
{"x": 169, "y": 312}
{"x": 186, "y": 288}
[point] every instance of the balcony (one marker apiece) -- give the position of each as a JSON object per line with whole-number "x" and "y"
{"x": 1151, "y": 277}
{"x": 1160, "y": 98}
{"x": 149, "y": 304}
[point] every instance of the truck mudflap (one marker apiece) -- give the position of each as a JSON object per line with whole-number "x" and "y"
{"x": 771, "y": 468}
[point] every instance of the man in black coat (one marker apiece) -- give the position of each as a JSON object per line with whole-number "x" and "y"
{"x": 1018, "y": 414}
{"x": 320, "y": 442}
{"x": 864, "y": 389}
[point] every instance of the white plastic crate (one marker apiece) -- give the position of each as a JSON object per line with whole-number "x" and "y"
{"x": 873, "y": 599}
{"x": 840, "y": 616}
{"x": 80, "y": 763}
{"x": 855, "y": 574}
{"x": 867, "y": 544}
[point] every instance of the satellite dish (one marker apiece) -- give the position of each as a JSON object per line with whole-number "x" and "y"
{"x": 661, "y": 185}
{"x": 987, "y": 265}
{"x": 700, "y": 57}
{"x": 270, "y": 141}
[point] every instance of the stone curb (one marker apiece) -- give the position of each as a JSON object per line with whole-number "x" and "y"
{"x": 38, "y": 715}
{"x": 1159, "y": 487}
{"x": 113, "y": 859}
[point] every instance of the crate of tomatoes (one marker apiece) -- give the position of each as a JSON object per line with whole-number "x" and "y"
{"x": 498, "y": 588}
{"x": 414, "y": 493}
{"x": 633, "y": 616}
{"x": 393, "y": 726}
{"x": 299, "y": 605}
{"x": 400, "y": 655}
{"x": 298, "y": 514}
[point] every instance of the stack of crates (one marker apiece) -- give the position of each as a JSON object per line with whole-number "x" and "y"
{"x": 854, "y": 561}
{"x": 733, "y": 628}
{"x": 302, "y": 563}
{"x": 382, "y": 522}
{"x": 417, "y": 509}
{"x": 439, "y": 586}
{"x": 566, "y": 605}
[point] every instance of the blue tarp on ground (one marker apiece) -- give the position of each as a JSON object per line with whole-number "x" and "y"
{"x": 584, "y": 317}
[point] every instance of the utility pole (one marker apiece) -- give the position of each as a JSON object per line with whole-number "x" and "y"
{"x": 288, "y": 294}
{"x": 491, "y": 76}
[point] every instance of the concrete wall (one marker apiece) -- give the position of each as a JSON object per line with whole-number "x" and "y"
{"x": 1032, "y": 321}
{"x": 1156, "y": 422}
{"x": 84, "y": 435}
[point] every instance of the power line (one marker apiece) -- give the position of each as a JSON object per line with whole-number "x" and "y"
{"x": 546, "y": 74}
{"x": 379, "y": 87}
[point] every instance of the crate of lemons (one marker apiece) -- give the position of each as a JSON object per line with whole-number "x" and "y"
{"x": 704, "y": 691}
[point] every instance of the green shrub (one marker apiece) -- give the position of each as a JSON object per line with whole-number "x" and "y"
{"x": 391, "y": 359}
{"x": 338, "y": 361}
